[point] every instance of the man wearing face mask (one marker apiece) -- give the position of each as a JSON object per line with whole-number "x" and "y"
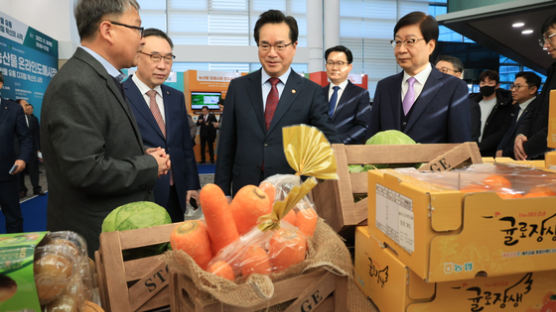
{"x": 491, "y": 113}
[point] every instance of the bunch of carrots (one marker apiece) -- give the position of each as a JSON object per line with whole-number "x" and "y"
{"x": 229, "y": 244}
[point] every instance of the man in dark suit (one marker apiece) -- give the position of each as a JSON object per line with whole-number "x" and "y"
{"x": 349, "y": 106}
{"x": 161, "y": 116}
{"x": 12, "y": 129}
{"x": 491, "y": 113}
{"x": 207, "y": 132}
{"x": 531, "y": 143}
{"x": 422, "y": 102}
{"x": 32, "y": 168}
{"x": 260, "y": 104}
{"x": 524, "y": 95}
{"x": 94, "y": 156}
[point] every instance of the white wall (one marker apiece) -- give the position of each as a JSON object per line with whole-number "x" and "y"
{"x": 52, "y": 17}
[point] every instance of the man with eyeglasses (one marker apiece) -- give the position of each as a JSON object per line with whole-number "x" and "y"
{"x": 530, "y": 143}
{"x": 491, "y": 113}
{"x": 524, "y": 95}
{"x": 94, "y": 156}
{"x": 450, "y": 65}
{"x": 162, "y": 119}
{"x": 349, "y": 105}
{"x": 260, "y": 104}
{"x": 427, "y": 105}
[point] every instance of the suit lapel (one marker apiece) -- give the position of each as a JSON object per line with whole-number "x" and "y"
{"x": 286, "y": 99}
{"x": 138, "y": 102}
{"x": 256, "y": 97}
{"x": 396, "y": 104}
{"x": 344, "y": 99}
{"x": 111, "y": 84}
{"x": 431, "y": 88}
{"x": 167, "y": 99}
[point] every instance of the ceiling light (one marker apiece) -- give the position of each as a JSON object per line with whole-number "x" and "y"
{"x": 526, "y": 31}
{"x": 518, "y": 24}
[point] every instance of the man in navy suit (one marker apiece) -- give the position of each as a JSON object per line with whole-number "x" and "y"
{"x": 349, "y": 106}
{"x": 260, "y": 104}
{"x": 422, "y": 102}
{"x": 162, "y": 119}
{"x": 12, "y": 129}
{"x": 524, "y": 94}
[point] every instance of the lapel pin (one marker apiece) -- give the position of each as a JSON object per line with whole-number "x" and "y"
{"x": 167, "y": 92}
{"x": 293, "y": 91}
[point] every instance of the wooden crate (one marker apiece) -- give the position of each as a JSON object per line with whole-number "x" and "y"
{"x": 134, "y": 285}
{"x": 334, "y": 199}
{"x": 317, "y": 291}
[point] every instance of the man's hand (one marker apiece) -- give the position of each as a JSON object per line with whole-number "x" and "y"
{"x": 192, "y": 194}
{"x": 498, "y": 153}
{"x": 162, "y": 159}
{"x": 20, "y": 166}
{"x": 519, "y": 151}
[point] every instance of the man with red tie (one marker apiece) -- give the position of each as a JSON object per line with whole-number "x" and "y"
{"x": 260, "y": 104}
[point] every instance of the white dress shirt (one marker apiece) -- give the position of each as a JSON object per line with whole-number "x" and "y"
{"x": 143, "y": 88}
{"x": 420, "y": 80}
{"x": 342, "y": 86}
{"x": 266, "y": 85}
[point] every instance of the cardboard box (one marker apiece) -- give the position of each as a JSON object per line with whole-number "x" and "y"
{"x": 446, "y": 235}
{"x": 393, "y": 287}
{"x": 551, "y": 138}
{"x": 334, "y": 199}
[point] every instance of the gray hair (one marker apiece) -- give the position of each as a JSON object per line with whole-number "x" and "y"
{"x": 88, "y": 13}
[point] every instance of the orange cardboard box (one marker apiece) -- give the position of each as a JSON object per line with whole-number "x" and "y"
{"x": 393, "y": 287}
{"x": 447, "y": 235}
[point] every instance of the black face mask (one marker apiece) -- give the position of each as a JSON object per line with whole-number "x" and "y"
{"x": 487, "y": 91}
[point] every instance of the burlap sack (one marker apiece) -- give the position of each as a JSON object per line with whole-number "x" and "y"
{"x": 326, "y": 250}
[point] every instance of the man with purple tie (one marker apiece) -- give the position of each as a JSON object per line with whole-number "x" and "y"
{"x": 422, "y": 102}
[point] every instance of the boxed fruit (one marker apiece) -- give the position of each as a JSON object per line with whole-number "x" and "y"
{"x": 492, "y": 219}
{"x": 393, "y": 286}
{"x": 44, "y": 271}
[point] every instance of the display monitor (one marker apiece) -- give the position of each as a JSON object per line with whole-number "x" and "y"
{"x": 208, "y": 99}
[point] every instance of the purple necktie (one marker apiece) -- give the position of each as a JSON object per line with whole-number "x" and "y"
{"x": 409, "y": 97}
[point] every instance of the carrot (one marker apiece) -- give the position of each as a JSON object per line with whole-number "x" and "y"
{"x": 270, "y": 191}
{"x": 222, "y": 269}
{"x": 191, "y": 236}
{"x": 290, "y": 217}
{"x": 306, "y": 221}
{"x": 220, "y": 223}
{"x": 286, "y": 248}
{"x": 255, "y": 260}
{"x": 497, "y": 181}
{"x": 540, "y": 191}
{"x": 248, "y": 205}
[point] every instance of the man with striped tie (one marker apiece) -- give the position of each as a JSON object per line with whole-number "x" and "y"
{"x": 349, "y": 106}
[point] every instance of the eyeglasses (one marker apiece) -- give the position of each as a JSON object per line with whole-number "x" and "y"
{"x": 447, "y": 70}
{"x": 408, "y": 42}
{"x": 157, "y": 57}
{"x": 265, "y": 47}
{"x": 140, "y": 29}
{"x": 339, "y": 63}
{"x": 517, "y": 86}
{"x": 546, "y": 39}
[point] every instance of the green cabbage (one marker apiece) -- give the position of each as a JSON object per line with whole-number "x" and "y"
{"x": 390, "y": 137}
{"x": 135, "y": 215}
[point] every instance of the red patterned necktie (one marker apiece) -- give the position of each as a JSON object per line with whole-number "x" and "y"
{"x": 271, "y": 102}
{"x": 158, "y": 117}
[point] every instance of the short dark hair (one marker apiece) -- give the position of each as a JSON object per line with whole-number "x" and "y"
{"x": 532, "y": 79}
{"x": 276, "y": 17}
{"x": 1, "y": 77}
{"x": 339, "y": 48}
{"x": 456, "y": 62}
{"x": 88, "y": 13}
{"x": 551, "y": 20}
{"x": 490, "y": 74}
{"x": 427, "y": 25}
{"x": 157, "y": 33}
{"x": 204, "y": 107}
{"x": 18, "y": 101}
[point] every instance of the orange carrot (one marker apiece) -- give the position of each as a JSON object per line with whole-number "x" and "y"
{"x": 306, "y": 221}
{"x": 497, "y": 181}
{"x": 290, "y": 217}
{"x": 286, "y": 248}
{"x": 255, "y": 260}
{"x": 248, "y": 205}
{"x": 220, "y": 223}
{"x": 270, "y": 191}
{"x": 191, "y": 236}
{"x": 222, "y": 269}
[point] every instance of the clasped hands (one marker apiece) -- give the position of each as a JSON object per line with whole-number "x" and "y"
{"x": 162, "y": 159}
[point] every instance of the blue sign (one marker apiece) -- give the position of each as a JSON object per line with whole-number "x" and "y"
{"x": 28, "y": 61}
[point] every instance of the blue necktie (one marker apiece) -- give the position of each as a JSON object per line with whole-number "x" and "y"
{"x": 333, "y": 99}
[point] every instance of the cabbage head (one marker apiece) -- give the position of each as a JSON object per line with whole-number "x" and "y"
{"x": 135, "y": 215}
{"x": 390, "y": 137}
